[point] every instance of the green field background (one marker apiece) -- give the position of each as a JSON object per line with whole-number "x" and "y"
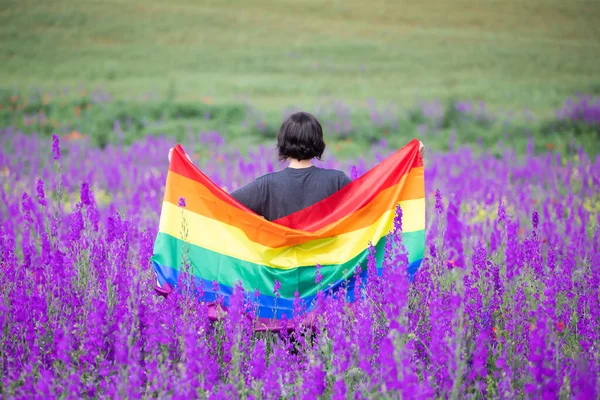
{"x": 274, "y": 54}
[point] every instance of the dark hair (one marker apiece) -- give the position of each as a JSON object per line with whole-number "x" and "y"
{"x": 300, "y": 137}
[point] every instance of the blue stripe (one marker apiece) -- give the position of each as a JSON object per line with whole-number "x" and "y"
{"x": 269, "y": 307}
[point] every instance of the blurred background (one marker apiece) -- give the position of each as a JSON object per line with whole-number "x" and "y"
{"x": 480, "y": 73}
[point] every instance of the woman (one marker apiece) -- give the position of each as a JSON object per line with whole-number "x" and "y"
{"x": 301, "y": 184}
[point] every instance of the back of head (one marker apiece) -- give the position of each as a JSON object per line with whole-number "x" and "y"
{"x": 300, "y": 137}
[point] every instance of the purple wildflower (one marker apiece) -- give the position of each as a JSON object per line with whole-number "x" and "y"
{"x": 501, "y": 212}
{"x": 535, "y": 219}
{"x": 41, "y": 198}
{"x": 398, "y": 219}
{"x": 314, "y": 381}
{"x": 439, "y": 206}
{"x": 339, "y": 390}
{"x": 27, "y": 206}
{"x": 318, "y": 276}
{"x": 258, "y": 363}
{"x": 85, "y": 194}
{"x": 354, "y": 173}
{"x": 55, "y": 147}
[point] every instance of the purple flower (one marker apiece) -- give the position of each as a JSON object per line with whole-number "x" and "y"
{"x": 478, "y": 370}
{"x": 432, "y": 250}
{"x": 41, "y": 198}
{"x": 298, "y": 305}
{"x": 55, "y": 147}
{"x": 76, "y": 226}
{"x": 314, "y": 381}
{"x": 182, "y": 202}
{"x": 453, "y": 236}
{"x": 276, "y": 287}
{"x": 318, "y": 276}
{"x": 439, "y": 207}
{"x": 258, "y": 363}
{"x": 339, "y": 390}
{"x": 372, "y": 262}
{"x": 501, "y": 212}
{"x": 398, "y": 219}
{"x": 85, "y": 194}
{"x": 354, "y": 173}
{"x": 535, "y": 219}
{"x": 27, "y": 206}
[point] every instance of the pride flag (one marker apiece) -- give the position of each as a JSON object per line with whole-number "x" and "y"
{"x": 224, "y": 242}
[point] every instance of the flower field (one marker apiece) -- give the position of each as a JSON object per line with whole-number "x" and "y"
{"x": 505, "y": 305}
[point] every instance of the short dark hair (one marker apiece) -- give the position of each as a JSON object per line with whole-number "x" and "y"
{"x": 300, "y": 137}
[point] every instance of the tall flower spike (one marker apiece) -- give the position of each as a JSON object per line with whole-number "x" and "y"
{"x": 55, "y": 147}
{"x": 501, "y": 212}
{"x": 27, "y": 205}
{"x": 535, "y": 219}
{"x": 354, "y": 173}
{"x": 398, "y": 220}
{"x": 318, "y": 276}
{"x": 85, "y": 194}
{"x": 41, "y": 196}
{"x": 439, "y": 206}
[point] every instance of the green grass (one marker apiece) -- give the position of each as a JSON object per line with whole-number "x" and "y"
{"x": 508, "y": 53}
{"x": 168, "y": 63}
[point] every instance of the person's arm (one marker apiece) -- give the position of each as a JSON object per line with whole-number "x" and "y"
{"x": 343, "y": 180}
{"x": 251, "y": 195}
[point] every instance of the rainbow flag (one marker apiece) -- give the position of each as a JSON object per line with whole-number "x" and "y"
{"x": 225, "y": 243}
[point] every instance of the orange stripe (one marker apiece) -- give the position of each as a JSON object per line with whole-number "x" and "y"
{"x": 201, "y": 200}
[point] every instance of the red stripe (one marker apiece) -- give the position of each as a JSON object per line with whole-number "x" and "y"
{"x": 182, "y": 166}
{"x": 351, "y": 198}
{"x": 357, "y": 194}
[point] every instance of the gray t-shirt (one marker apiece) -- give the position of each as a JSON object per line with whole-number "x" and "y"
{"x": 282, "y": 193}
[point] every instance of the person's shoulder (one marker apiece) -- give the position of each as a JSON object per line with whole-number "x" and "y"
{"x": 331, "y": 172}
{"x": 339, "y": 176}
{"x": 269, "y": 177}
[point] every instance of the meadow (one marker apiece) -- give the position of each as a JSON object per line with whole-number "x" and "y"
{"x": 505, "y": 305}
{"x": 284, "y": 53}
{"x": 504, "y": 94}
{"x": 225, "y": 64}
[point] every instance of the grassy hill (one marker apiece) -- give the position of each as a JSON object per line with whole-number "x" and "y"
{"x": 509, "y": 53}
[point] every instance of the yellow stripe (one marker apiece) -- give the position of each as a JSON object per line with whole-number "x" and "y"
{"x": 232, "y": 241}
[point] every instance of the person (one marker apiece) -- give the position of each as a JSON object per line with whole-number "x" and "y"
{"x": 299, "y": 185}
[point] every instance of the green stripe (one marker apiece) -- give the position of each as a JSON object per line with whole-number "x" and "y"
{"x": 213, "y": 266}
